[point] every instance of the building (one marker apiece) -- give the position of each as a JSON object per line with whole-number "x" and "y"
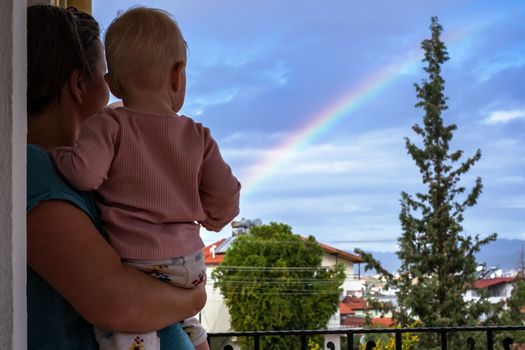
{"x": 498, "y": 289}
{"x": 215, "y": 316}
{"x": 354, "y": 310}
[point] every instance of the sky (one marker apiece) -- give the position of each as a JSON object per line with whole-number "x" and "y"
{"x": 310, "y": 103}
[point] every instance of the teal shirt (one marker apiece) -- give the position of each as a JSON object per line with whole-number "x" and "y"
{"x": 52, "y": 323}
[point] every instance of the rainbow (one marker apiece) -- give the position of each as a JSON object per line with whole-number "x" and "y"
{"x": 359, "y": 94}
{"x": 324, "y": 121}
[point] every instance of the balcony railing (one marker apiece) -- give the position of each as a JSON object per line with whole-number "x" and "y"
{"x": 488, "y": 333}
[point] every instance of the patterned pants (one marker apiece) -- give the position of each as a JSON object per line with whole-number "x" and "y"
{"x": 184, "y": 271}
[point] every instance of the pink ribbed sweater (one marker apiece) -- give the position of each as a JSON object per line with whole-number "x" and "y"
{"x": 155, "y": 176}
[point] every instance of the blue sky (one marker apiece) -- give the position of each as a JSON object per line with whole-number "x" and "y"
{"x": 259, "y": 71}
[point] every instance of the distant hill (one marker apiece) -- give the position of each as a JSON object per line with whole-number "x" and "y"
{"x": 503, "y": 253}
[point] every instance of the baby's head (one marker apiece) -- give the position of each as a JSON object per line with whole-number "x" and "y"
{"x": 143, "y": 46}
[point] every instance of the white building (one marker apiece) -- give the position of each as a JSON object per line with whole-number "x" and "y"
{"x": 499, "y": 289}
{"x": 215, "y": 316}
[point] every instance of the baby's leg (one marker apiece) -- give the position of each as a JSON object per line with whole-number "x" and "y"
{"x": 196, "y": 332}
{"x": 108, "y": 340}
{"x": 196, "y": 269}
{"x": 187, "y": 271}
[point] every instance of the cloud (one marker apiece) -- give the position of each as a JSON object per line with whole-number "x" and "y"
{"x": 378, "y": 154}
{"x": 348, "y": 187}
{"x": 503, "y": 61}
{"x": 515, "y": 202}
{"x": 345, "y": 186}
{"x": 249, "y": 139}
{"x": 278, "y": 74}
{"x": 504, "y": 116}
{"x": 197, "y": 105}
{"x": 510, "y": 180}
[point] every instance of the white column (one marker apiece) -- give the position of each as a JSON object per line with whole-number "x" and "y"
{"x": 13, "y": 118}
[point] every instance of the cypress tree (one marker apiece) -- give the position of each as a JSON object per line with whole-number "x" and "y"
{"x": 437, "y": 257}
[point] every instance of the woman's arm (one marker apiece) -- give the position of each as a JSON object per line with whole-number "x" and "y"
{"x": 64, "y": 247}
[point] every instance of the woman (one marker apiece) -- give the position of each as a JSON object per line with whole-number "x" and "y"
{"x": 75, "y": 279}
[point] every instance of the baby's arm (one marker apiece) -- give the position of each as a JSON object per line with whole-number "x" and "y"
{"x": 86, "y": 164}
{"x": 219, "y": 189}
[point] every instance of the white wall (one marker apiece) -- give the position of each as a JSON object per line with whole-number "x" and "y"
{"x": 12, "y": 174}
{"x": 215, "y": 317}
{"x": 331, "y": 260}
{"x": 351, "y": 284}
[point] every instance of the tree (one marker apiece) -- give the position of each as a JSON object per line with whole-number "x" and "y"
{"x": 512, "y": 314}
{"x": 272, "y": 279}
{"x": 437, "y": 258}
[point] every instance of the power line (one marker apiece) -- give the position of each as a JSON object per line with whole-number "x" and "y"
{"x": 275, "y": 268}
{"x": 378, "y": 240}
{"x": 271, "y": 283}
{"x": 285, "y": 293}
{"x": 256, "y": 279}
{"x": 275, "y": 279}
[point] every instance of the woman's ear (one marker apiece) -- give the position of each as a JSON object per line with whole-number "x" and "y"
{"x": 76, "y": 88}
{"x": 177, "y": 76}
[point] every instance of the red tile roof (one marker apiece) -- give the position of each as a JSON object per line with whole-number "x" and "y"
{"x": 479, "y": 284}
{"x": 345, "y": 309}
{"x": 341, "y": 253}
{"x": 353, "y": 322}
{"x": 354, "y": 303}
{"x": 210, "y": 259}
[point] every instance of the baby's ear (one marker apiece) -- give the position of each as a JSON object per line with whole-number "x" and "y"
{"x": 115, "y": 91}
{"x": 178, "y": 76}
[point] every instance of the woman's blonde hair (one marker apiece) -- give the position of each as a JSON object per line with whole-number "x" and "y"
{"x": 143, "y": 40}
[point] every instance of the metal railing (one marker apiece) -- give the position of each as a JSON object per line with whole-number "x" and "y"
{"x": 442, "y": 334}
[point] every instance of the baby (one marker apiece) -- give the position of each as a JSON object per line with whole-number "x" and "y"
{"x": 158, "y": 176}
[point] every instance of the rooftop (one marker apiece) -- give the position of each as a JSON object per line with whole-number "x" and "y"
{"x": 214, "y": 253}
{"x": 486, "y": 283}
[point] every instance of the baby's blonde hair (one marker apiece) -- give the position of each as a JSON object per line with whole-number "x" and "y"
{"x": 144, "y": 40}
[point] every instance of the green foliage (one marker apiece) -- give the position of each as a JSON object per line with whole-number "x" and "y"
{"x": 437, "y": 257}
{"x": 387, "y": 341}
{"x": 272, "y": 279}
{"x": 410, "y": 341}
{"x": 313, "y": 345}
{"x": 515, "y": 304}
{"x": 512, "y": 314}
